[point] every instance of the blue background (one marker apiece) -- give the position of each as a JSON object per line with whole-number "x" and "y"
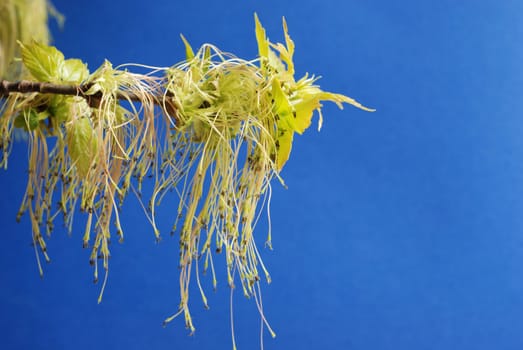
{"x": 400, "y": 229}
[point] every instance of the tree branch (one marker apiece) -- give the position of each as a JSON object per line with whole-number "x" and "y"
{"x": 27, "y": 86}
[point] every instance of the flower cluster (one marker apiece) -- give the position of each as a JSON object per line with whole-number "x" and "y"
{"x": 214, "y": 128}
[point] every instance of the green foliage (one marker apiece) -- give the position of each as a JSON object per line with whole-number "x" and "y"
{"x": 73, "y": 70}
{"x": 47, "y": 64}
{"x": 82, "y": 144}
{"x": 294, "y": 102}
{"x": 42, "y": 61}
{"x": 30, "y": 119}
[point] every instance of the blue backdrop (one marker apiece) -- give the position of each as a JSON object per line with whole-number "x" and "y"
{"x": 400, "y": 229}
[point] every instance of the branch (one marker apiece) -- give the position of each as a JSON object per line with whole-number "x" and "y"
{"x": 27, "y": 86}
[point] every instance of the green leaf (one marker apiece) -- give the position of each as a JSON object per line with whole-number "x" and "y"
{"x": 82, "y": 144}
{"x": 73, "y": 71}
{"x": 43, "y": 62}
{"x": 189, "y": 53}
{"x": 304, "y": 111}
{"x": 283, "y": 146}
{"x": 104, "y": 79}
{"x": 206, "y": 59}
{"x": 59, "y": 108}
{"x": 282, "y": 107}
{"x": 29, "y": 119}
{"x": 63, "y": 108}
{"x": 286, "y": 124}
{"x": 286, "y": 54}
{"x": 339, "y": 99}
{"x": 290, "y": 47}
{"x": 261, "y": 38}
{"x": 276, "y": 64}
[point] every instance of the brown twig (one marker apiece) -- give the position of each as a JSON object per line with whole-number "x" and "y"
{"x": 27, "y": 86}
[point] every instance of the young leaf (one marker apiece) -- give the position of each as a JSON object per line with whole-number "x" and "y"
{"x": 43, "y": 62}
{"x": 29, "y": 119}
{"x": 282, "y": 106}
{"x": 261, "y": 38}
{"x": 82, "y": 144}
{"x": 289, "y": 43}
{"x": 189, "y": 53}
{"x": 304, "y": 111}
{"x": 283, "y": 145}
{"x": 73, "y": 71}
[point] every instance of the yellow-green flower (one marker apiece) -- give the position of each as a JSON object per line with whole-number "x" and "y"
{"x": 215, "y": 129}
